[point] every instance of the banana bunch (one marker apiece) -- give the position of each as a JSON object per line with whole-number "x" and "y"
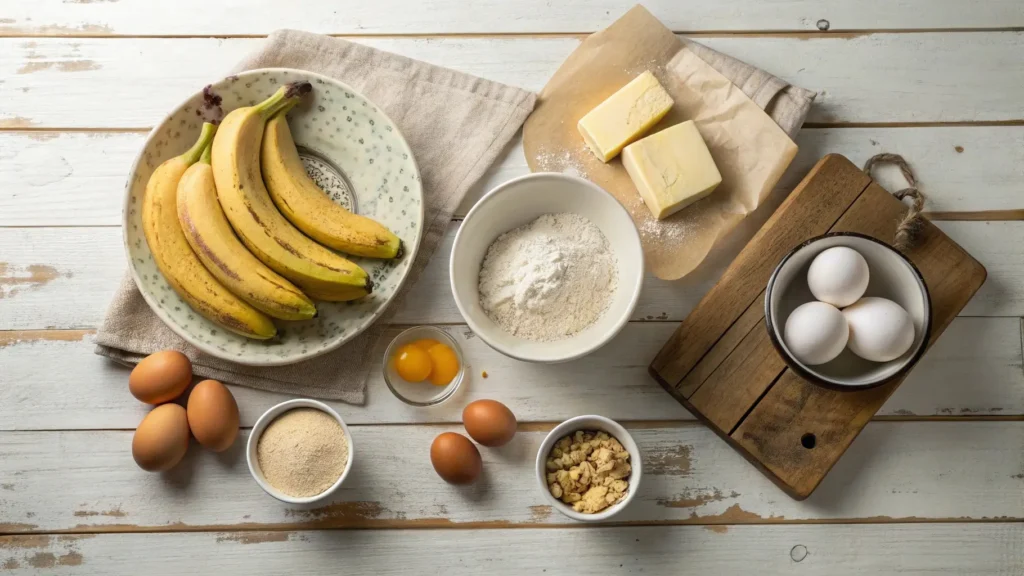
{"x": 242, "y": 233}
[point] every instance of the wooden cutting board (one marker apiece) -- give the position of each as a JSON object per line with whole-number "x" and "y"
{"x": 721, "y": 365}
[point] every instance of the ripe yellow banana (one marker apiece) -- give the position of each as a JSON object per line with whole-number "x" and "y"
{"x": 306, "y": 206}
{"x": 343, "y": 294}
{"x": 179, "y": 264}
{"x": 210, "y": 236}
{"x": 247, "y": 205}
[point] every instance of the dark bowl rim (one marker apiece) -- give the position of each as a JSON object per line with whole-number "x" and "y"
{"x": 815, "y": 378}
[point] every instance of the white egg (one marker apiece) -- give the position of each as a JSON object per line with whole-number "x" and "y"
{"x": 880, "y": 329}
{"x": 816, "y": 333}
{"x": 838, "y": 276}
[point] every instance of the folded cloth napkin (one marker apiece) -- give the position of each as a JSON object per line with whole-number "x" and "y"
{"x": 456, "y": 125}
{"x": 786, "y": 104}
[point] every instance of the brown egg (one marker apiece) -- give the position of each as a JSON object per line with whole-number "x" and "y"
{"x": 160, "y": 377}
{"x": 489, "y": 422}
{"x": 213, "y": 415}
{"x": 455, "y": 458}
{"x": 161, "y": 439}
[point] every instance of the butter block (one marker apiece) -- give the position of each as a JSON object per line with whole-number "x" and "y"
{"x": 625, "y": 116}
{"x": 671, "y": 169}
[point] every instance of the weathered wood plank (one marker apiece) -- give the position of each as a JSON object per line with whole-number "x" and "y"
{"x": 80, "y": 268}
{"x": 726, "y": 396}
{"x": 67, "y": 271}
{"x": 896, "y": 471}
{"x": 138, "y": 17}
{"x": 52, "y": 380}
{"x": 991, "y": 549}
{"x": 132, "y": 83}
{"x": 77, "y": 179}
{"x": 997, "y": 246}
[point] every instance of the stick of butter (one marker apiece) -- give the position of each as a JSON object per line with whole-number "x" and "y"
{"x": 625, "y": 116}
{"x": 672, "y": 169}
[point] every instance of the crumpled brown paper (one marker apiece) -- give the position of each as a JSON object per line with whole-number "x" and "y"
{"x": 750, "y": 148}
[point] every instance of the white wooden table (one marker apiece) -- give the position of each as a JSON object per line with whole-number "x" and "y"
{"x": 935, "y": 485}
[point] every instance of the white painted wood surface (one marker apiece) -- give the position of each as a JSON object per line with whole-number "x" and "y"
{"x": 895, "y": 471}
{"x": 139, "y": 17}
{"x": 82, "y": 267}
{"x": 833, "y": 550}
{"x": 81, "y": 175}
{"x": 921, "y": 77}
{"x": 79, "y": 88}
{"x": 974, "y": 370}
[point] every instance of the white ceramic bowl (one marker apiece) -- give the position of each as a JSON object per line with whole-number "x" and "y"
{"x": 518, "y": 202}
{"x": 590, "y": 422}
{"x": 891, "y": 276}
{"x": 352, "y": 150}
{"x": 257, "y": 432}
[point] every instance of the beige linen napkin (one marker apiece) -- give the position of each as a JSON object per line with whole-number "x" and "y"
{"x": 456, "y": 125}
{"x": 786, "y": 104}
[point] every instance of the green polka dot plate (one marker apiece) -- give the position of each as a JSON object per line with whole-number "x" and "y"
{"x": 352, "y": 150}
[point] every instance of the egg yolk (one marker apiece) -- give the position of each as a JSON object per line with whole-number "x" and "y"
{"x": 413, "y": 363}
{"x": 446, "y": 365}
{"x": 426, "y": 343}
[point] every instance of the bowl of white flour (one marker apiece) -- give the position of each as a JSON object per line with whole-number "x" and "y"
{"x": 547, "y": 267}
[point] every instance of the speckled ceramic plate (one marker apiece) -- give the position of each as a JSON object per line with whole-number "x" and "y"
{"x": 352, "y": 150}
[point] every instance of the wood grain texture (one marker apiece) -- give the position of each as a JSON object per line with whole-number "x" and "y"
{"x": 844, "y": 550}
{"x": 773, "y": 432}
{"x": 997, "y": 246}
{"x": 927, "y": 77}
{"x": 816, "y": 203}
{"x": 52, "y": 380}
{"x": 748, "y": 322}
{"x": 77, "y": 178}
{"x": 898, "y": 471}
{"x": 988, "y": 215}
{"x": 749, "y": 370}
{"x": 138, "y": 17}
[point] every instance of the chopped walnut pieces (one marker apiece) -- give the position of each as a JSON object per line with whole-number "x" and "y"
{"x": 588, "y": 470}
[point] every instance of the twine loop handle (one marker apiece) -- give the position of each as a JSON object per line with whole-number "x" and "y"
{"x": 911, "y": 223}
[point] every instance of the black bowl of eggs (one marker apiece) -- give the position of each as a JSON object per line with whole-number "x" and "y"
{"x": 848, "y": 312}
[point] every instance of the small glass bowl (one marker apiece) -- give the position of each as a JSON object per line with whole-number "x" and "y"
{"x": 421, "y": 393}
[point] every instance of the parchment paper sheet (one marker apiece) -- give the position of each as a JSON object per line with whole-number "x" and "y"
{"x": 750, "y": 148}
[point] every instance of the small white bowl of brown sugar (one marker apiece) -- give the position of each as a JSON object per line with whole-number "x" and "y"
{"x": 300, "y": 451}
{"x": 589, "y": 468}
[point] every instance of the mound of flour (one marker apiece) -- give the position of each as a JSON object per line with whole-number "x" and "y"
{"x": 549, "y": 279}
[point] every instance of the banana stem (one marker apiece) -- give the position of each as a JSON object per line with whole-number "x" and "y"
{"x": 284, "y": 99}
{"x": 205, "y": 138}
{"x": 207, "y": 152}
{"x": 284, "y": 109}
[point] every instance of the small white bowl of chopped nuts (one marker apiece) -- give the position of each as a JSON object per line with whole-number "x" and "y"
{"x": 589, "y": 468}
